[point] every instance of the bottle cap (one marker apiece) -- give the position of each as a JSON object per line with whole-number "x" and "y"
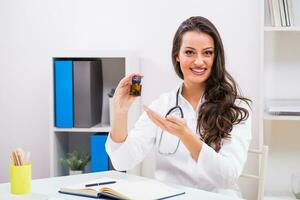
{"x": 136, "y": 79}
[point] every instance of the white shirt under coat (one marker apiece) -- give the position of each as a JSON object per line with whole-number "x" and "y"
{"x": 212, "y": 171}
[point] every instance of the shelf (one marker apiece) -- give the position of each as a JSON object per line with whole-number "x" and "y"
{"x": 281, "y": 117}
{"x": 96, "y": 128}
{"x": 115, "y": 65}
{"x": 279, "y": 69}
{"x": 287, "y": 29}
{"x": 279, "y": 198}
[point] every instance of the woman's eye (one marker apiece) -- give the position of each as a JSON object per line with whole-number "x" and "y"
{"x": 208, "y": 53}
{"x": 189, "y": 53}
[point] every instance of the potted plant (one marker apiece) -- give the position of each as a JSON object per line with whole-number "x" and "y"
{"x": 76, "y": 162}
{"x": 110, "y": 97}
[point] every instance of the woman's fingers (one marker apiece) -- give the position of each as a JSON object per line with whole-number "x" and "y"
{"x": 176, "y": 120}
{"x": 157, "y": 122}
{"x": 156, "y": 118}
{"x": 171, "y": 124}
{"x": 132, "y": 98}
{"x": 124, "y": 85}
{"x": 127, "y": 79}
{"x": 122, "y": 99}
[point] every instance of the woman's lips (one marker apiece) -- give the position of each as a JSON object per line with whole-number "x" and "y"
{"x": 198, "y": 71}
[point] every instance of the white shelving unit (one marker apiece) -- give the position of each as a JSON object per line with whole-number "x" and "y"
{"x": 280, "y": 76}
{"x": 115, "y": 65}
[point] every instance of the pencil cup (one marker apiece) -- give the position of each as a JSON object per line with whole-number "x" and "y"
{"x": 20, "y": 179}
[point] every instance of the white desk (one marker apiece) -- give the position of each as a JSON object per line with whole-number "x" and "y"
{"x": 46, "y": 189}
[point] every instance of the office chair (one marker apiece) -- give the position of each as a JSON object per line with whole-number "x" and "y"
{"x": 261, "y": 177}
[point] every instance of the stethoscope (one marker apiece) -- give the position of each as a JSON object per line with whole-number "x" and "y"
{"x": 173, "y": 109}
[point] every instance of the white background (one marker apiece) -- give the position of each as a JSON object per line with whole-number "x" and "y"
{"x": 32, "y": 31}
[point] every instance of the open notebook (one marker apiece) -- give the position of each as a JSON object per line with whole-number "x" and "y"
{"x": 123, "y": 189}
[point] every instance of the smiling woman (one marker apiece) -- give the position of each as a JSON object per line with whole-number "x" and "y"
{"x": 205, "y": 144}
{"x": 196, "y": 56}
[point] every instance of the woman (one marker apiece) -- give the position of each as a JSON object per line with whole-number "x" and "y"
{"x": 201, "y": 130}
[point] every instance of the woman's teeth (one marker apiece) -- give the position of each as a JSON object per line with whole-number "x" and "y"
{"x": 198, "y": 70}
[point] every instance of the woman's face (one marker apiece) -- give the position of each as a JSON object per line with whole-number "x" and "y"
{"x": 196, "y": 57}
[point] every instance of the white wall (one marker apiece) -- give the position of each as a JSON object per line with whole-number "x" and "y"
{"x": 32, "y": 31}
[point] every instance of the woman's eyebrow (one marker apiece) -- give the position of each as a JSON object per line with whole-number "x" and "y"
{"x": 212, "y": 48}
{"x": 190, "y": 48}
{"x": 209, "y": 48}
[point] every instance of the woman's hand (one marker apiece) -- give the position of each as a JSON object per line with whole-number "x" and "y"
{"x": 179, "y": 128}
{"x": 121, "y": 99}
{"x": 174, "y": 125}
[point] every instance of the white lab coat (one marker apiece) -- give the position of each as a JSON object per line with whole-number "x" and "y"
{"x": 212, "y": 171}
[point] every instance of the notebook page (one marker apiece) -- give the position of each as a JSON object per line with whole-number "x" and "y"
{"x": 144, "y": 189}
{"x": 82, "y": 185}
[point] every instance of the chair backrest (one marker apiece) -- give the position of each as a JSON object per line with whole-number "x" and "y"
{"x": 262, "y": 159}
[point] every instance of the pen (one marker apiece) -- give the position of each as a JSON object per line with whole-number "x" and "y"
{"x": 102, "y": 183}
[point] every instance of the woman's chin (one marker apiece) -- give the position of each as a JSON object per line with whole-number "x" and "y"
{"x": 197, "y": 80}
{"x": 194, "y": 82}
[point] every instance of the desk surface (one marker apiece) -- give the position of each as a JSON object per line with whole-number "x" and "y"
{"x": 46, "y": 189}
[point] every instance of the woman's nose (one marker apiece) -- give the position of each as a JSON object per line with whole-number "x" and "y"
{"x": 199, "y": 60}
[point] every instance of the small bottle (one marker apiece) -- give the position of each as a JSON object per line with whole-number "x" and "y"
{"x": 136, "y": 87}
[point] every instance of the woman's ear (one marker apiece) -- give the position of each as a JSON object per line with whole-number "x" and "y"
{"x": 177, "y": 58}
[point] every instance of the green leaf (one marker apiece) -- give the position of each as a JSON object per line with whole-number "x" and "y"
{"x": 76, "y": 160}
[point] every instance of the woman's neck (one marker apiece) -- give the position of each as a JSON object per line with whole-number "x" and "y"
{"x": 192, "y": 93}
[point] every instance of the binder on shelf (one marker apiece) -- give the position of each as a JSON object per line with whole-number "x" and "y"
{"x": 275, "y": 12}
{"x": 286, "y": 13}
{"x": 87, "y": 93}
{"x": 289, "y": 107}
{"x": 99, "y": 157}
{"x": 63, "y": 89}
{"x": 110, "y": 165}
{"x": 282, "y": 13}
{"x": 271, "y": 10}
{"x": 290, "y": 12}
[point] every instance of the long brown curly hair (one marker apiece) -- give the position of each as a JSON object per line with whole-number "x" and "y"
{"x": 218, "y": 113}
